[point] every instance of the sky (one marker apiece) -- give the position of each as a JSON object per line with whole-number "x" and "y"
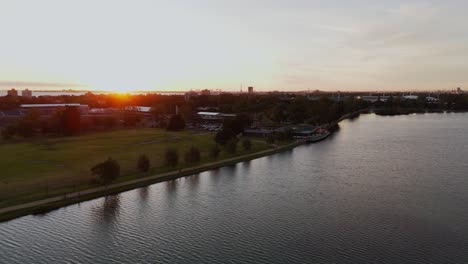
{"x": 295, "y": 45}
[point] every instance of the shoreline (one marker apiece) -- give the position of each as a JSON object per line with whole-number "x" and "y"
{"x": 46, "y": 205}
{"x": 49, "y": 204}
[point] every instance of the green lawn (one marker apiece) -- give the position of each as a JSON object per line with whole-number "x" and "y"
{"x": 44, "y": 167}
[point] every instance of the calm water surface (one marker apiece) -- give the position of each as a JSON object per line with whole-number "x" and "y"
{"x": 381, "y": 190}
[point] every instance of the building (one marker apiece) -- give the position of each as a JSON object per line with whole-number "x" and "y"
{"x": 214, "y": 116}
{"x": 12, "y": 92}
{"x": 49, "y": 109}
{"x": 431, "y": 99}
{"x": 410, "y": 97}
{"x": 251, "y": 90}
{"x": 26, "y": 93}
{"x": 375, "y": 98}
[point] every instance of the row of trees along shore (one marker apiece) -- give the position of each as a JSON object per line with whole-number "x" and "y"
{"x": 109, "y": 170}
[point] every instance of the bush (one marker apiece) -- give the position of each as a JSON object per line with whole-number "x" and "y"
{"x": 215, "y": 151}
{"x": 223, "y": 136}
{"x": 231, "y": 145}
{"x": 192, "y": 155}
{"x": 176, "y": 122}
{"x": 247, "y": 144}
{"x": 143, "y": 163}
{"x": 172, "y": 157}
{"x": 107, "y": 171}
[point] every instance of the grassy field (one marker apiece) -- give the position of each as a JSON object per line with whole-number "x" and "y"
{"x": 40, "y": 168}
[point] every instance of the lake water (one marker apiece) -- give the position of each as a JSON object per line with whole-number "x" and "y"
{"x": 380, "y": 190}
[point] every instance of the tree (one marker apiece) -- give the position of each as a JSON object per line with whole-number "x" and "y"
{"x": 107, "y": 171}
{"x": 25, "y": 128}
{"x": 130, "y": 117}
{"x": 192, "y": 155}
{"x": 157, "y": 111}
{"x": 215, "y": 151}
{"x": 237, "y": 124}
{"x": 28, "y": 124}
{"x": 223, "y": 136}
{"x": 270, "y": 139}
{"x": 70, "y": 121}
{"x": 8, "y": 132}
{"x": 231, "y": 145}
{"x": 231, "y": 128}
{"x": 247, "y": 144}
{"x": 176, "y": 122}
{"x": 143, "y": 163}
{"x": 171, "y": 157}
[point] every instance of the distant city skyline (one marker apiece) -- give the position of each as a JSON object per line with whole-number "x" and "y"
{"x": 270, "y": 45}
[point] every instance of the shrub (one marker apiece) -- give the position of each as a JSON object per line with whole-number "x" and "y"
{"x": 192, "y": 155}
{"x": 231, "y": 145}
{"x": 247, "y": 144}
{"x": 215, "y": 151}
{"x": 107, "y": 171}
{"x": 172, "y": 157}
{"x": 143, "y": 163}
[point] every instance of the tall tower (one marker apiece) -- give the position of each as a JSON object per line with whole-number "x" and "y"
{"x": 251, "y": 90}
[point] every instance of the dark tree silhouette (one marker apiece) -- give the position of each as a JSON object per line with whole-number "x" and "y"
{"x": 192, "y": 155}
{"x": 107, "y": 171}
{"x": 247, "y": 144}
{"x": 143, "y": 163}
{"x": 176, "y": 122}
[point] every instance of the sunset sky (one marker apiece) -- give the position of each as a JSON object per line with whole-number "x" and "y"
{"x": 216, "y": 44}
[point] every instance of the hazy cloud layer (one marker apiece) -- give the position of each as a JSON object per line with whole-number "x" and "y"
{"x": 38, "y": 85}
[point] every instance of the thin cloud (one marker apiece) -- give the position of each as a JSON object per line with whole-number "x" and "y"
{"x": 39, "y": 84}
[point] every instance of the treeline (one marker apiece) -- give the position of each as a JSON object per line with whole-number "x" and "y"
{"x": 96, "y": 100}
{"x": 109, "y": 170}
{"x": 279, "y": 109}
{"x": 173, "y": 112}
{"x": 66, "y": 122}
{"x": 397, "y": 105}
